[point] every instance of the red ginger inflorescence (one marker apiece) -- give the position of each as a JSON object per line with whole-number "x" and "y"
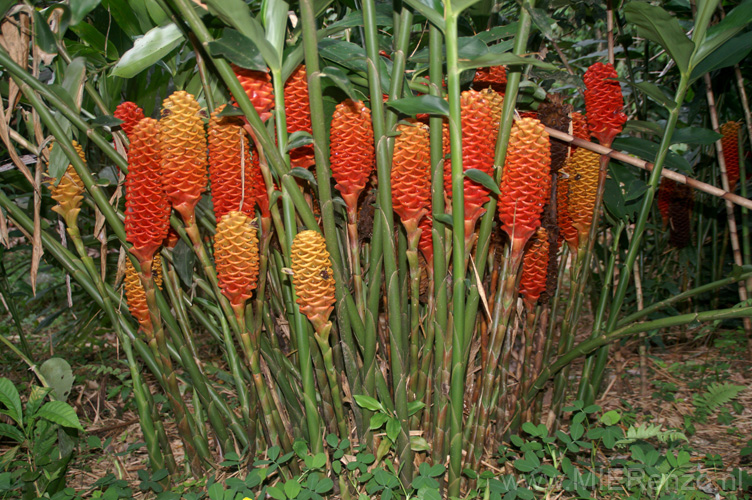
{"x": 312, "y": 276}
{"x": 425, "y": 244}
{"x": 730, "y": 147}
{"x": 236, "y": 254}
{"x": 411, "y": 165}
{"x": 230, "y": 165}
{"x": 665, "y": 193}
{"x": 131, "y": 114}
{"x": 494, "y": 77}
{"x": 535, "y": 267}
{"x": 526, "y": 181}
{"x": 258, "y": 87}
{"x": 480, "y": 123}
{"x": 298, "y": 115}
{"x": 351, "y": 149}
{"x": 183, "y": 147}
{"x": 604, "y": 102}
{"x": 147, "y": 211}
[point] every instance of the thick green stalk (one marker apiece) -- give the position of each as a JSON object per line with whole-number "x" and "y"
{"x": 634, "y": 247}
{"x": 384, "y": 212}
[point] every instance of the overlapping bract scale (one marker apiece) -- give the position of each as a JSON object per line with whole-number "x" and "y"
{"x": 183, "y": 147}
{"x": 69, "y": 192}
{"x": 567, "y": 231}
{"x": 236, "y": 255}
{"x": 147, "y": 211}
{"x": 230, "y": 166}
{"x": 604, "y": 102}
{"x": 312, "y": 276}
{"x": 131, "y": 114}
{"x": 298, "y": 114}
{"x": 411, "y": 165}
{"x": 526, "y": 180}
{"x": 494, "y": 77}
{"x": 351, "y": 149}
{"x": 535, "y": 267}
{"x": 680, "y": 215}
{"x": 425, "y": 244}
{"x": 583, "y": 167}
{"x": 258, "y": 87}
{"x": 135, "y": 294}
{"x": 730, "y": 146}
{"x": 665, "y": 193}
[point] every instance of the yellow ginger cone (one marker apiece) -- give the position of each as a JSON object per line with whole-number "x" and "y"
{"x": 313, "y": 277}
{"x": 236, "y": 253}
{"x": 583, "y": 167}
{"x": 69, "y": 192}
{"x": 135, "y": 294}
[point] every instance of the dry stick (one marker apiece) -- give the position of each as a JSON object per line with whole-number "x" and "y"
{"x": 646, "y": 165}
{"x": 734, "y": 235}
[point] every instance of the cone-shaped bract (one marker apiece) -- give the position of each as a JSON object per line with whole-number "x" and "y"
{"x": 312, "y": 276}
{"x": 298, "y": 115}
{"x": 183, "y": 146}
{"x": 230, "y": 166}
{"x": 135, "y": 294}
{"x": 603, "y": 102}
{"x": 69, "y": 192}
{"x": 535, "y": 267}
{"x": 351, "y": 149}
{"x": 147, "y": 211}
{"x": 526, "y": 181}
{"x": 494, "y": 77}
{"x": 411, "y": 181}
{"x": 680, "y": 215}
{"x": 566, "y": 230}
{"x": 665, "y": 193}
{"x": 425, "y": 244}
{"x": 730, "y": 146}
{"x": 258, "y": 87}
{"x": 583, "y": 167}
{"x": 236, "y": 254}
{"x": 131, "y": 114}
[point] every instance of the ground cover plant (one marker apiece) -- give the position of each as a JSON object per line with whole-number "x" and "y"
{"x": 354, "y": 249}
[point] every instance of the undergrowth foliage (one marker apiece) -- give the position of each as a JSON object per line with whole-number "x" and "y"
{"x": 352, "y": 197}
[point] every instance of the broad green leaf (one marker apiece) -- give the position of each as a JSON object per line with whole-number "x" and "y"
{"x": 414, "y": 406}
{"x": 238, "y": 49}
{"x": 483, "y": 179}
{"x": 496, "y": 59}
{"x": 60, "y": 413}
{"x": 542, "y": 21}
{"x": 611, "y": 417}
{"x": 339, "y": 78}
{"x": 298, "y": 139}
{"x": 304, "y": 174}
{"x": 292, "y": 488}
{"x": 705, "y": 10}
{"x": 5, "y": 5}
{"x": 461, "y": 5}
{"x": 471, "y": 47}
{"x": 141, "y": 12}
{"x": 59, "y": 375}
{"x": 445, "y": 219}
{"x": 237, "y": 14}
{"x": 653, "y": 91}
{"x": 695, "y": 135}
{"x": 12, "y": 432}
{"x": 36, "y": 398}
{"x": 643, "y": 127}
{"x": 45, "y": 39}
{"x": 184, "y": 258}
{"x": 147, "y": 50}
{"x": 418, "y": 443}
{"x": 719, "y": 34}
{"x": 274, "y": 13}
{"x": 11, "y": 400}
{"x": 647, "y": 150}
{"x": 660, "y": 27}
{"x": 156, "y": 13}
{"x": 347, "y": 54}
{"x": 351, "y": 20}
{"x": 96, "y": 40}
{"x": 730, "y": 53}
{"x": 80, "y": 8}
{"x": 275, "y": 492}
{"x": 422, "y": 104}
{"x": 75, "y": 77}
{"x": 431, "y": 10}
{"x": 123, "y": 15}
{"x": 368, "y": 403}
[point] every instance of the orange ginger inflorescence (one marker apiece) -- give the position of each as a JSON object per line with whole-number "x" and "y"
{"x": 583, "y": 168}
{"x": 131, "y": 114}
{"x": 526, "y": 180}
{"x": 183, "y": 145}
{"x": 69, "y": 192}
{"x": 258, "y": 87}
{"x": 411, "y": 184}
{"x": 236, "y": 254}
{"x": 298, "y": 115}
{"x": 351, "y": 149}
{"x": 313, "y": 277}
{"x": 147, "y": 211}
{"x": 604, "y": 102}
{"x": 730, "y": 146}
{"x": 135, "y": 294}
{"x": 567, "y": 231}
{"x": 494, "y": 77}
{"x": 535, "y": 267}
{"x": 230, "y": 166}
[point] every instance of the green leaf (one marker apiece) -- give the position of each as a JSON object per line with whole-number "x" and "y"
{"x": 353, "y": 19}
{"x": 530, "y": 428}
{"x": 292, "y": 488}
{"x": 60, "y": 413}
{"x": 730, "y": 53}
{"x": 377, "y": 420}
{"x": 237, "y": 14}
{"x": 184, "y": 258}
{"x": 122, "y": 13}
{"x": 238, "y": 49}
{"x": 274, "y": 13}
{"x": 414, "y": 406}
{"x": 429, "y": 104}
{"x": 445, "y": 219}
{"x": 695, "y": 135}
{"x": 59, "y": 375}
{"x": 418, "y": 443}
{"x": 431, "y": 10}
{"x": 719, "y": 34}
{"x": 319, "y": 460}
{"x": 80, "y": 8}
{"x": 303, "y": 173}
{"x": 36, "y": 398}
{"x": 147, "y": 50}
{"x": 299, "y": 139}
{"x": 611, "y": 417}
{"x": 12, "y": 432}
{"x": 339, "y": 78}
{"x": 5, "y": 5}
{"x": 45, "y": 39}
{"x": 483, "y": 179}
{"x": 75, "y": 77}
{"x": 705, "y": 10}
{"x": 660, "y": 27}
{"x": 653, "y": 91}
{"x": 393, "y": 428}
{"x": 324, "y": 485}
{"x": 276, "y": 492}
{"x": 507, "y": 59}
{"x": 368, "y": 403}
{"x": 11, "y": 400}
{"x": 96, "y": 40}
{"x": 647, "y": 150}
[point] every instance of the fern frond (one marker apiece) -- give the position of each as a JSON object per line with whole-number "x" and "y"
{"x": 716, "y": 396}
